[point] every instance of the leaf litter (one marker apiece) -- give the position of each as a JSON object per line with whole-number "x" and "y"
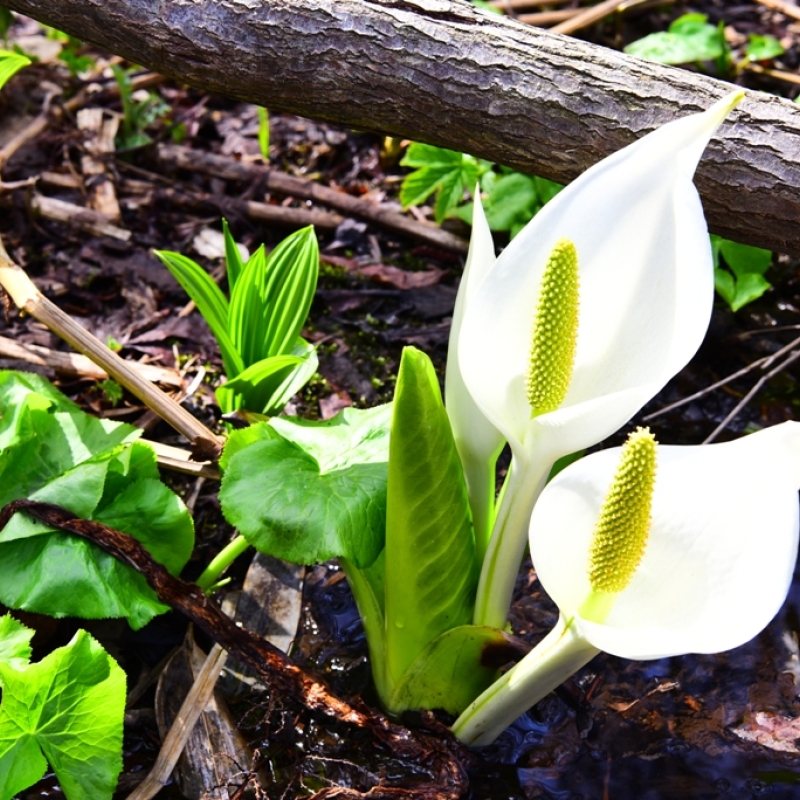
{"x": 710, "y": 726}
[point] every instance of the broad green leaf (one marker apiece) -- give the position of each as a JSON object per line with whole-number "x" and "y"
{"x": 156, "y": 516}
{"x": 233, "y": 258}
{"x": 749, "y": 287}
{"x": 15, "y": 643}
{"x": 744, "y": 259}
{"x": 431, "y": 566}
{"x": 210, "y": 302}
{"x": 317, "y": 491}
{"x": 725, "y": 284}
{"x": 67, "y": 710}
{"x": 437, "y": 169}
{"x": 510, "y": 200}
{"x": 56, "y": 453}
{"x": 254, "y": 387}
{"x": 748, "y": 265}
{"x": 10, "y": 64}
{"x": 763, "y": 48}
{"x": 241, "y": 439}
{"x": 272, "y": 297}
{"x": 450, "y": 672}
{"x": 689, "y": 38}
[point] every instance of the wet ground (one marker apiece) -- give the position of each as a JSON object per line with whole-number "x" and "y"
{"x": 721, "y": 726}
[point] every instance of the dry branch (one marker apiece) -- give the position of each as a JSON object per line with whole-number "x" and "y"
{"x": 450, "y": 74}
{"x": 28, "y": 298}
{"x": 185, "y": 158}
{"x": 440, "y": 755}
{"x": 73, "y": 364}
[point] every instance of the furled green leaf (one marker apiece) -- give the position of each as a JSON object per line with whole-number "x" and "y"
{"x": 67, "y": 710}
{"x": 10, "y": 64}
{"x": 53, "y": 452}
{"x": 450, "y": 672}
{"x": 268, "y": 385}
{"x": 15, "y": 643}
{"x": 272, "y": 297}
{"x": 689, "y": 38}
{"x": 297, "y": 378}
{"x": 254, "y": 387}
{"x": 233, "y": 258}
{"x": 437, "y": 169}
{"x": 308, "y": 491}
{"x": 367, "y": 586}
{"x": 263, "y": 132}
{"x": 431, "y": 566}
{"x": 292, "y": 270}
{"x": 210, "y": 302}
{"x": 763, "y": 48}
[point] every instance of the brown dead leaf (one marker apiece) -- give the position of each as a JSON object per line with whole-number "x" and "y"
{"x": 388, "y": 275}
{"x": 401, "y": 278}
{"x": 330, "y": 406}
{"x": 771, "y": 730}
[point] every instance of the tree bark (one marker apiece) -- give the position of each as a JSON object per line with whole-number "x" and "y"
{"x": 449, "y": 74}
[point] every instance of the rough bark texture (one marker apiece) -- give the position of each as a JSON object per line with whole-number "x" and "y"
{"x": 446, "y": 73}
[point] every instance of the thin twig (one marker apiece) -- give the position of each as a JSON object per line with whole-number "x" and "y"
{"x": 74, "y": 364}
{"x": 180, "y": 460}
{"x": 788, "y": 9}
{"x": 80, "y": 217}
{"x": 544, "y": 19}
{"x": 290, "y": 185}
{"x": 778, "y": 74}
{"x": 28, "y": 298}
{"x": 762, "y": 362}
{"x": 435, "y": 750}
{"x": 749, "y": 396}
{"x": 175, "y": 741}
{"x": 594, "y": 14}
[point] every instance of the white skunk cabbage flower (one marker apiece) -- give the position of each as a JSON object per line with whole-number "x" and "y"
{"x": 656, "y": 565}
{"x": 478, "y": 441}
{"x": 592, "y": 308}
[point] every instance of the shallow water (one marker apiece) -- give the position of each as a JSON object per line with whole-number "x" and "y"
{"x": 658, "y": 730}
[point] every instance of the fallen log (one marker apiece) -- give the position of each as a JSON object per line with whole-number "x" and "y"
{"x": 447, "y": 73}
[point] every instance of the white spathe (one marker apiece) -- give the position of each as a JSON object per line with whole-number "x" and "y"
{"x": 646, "y": 288}
{"x": 472, "y": 430}
{"x": 477, "y": 440}
{"x": 646, "y": 294}
{"x": 719, "y": 558}
{"x": 717, "y": 565}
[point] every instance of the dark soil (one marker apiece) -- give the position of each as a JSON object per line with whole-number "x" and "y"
{"x": 663, "y": 730}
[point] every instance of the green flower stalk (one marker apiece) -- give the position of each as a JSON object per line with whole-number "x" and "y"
{"x": 591, "y": 309}
{"x": 664, "y": 559}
